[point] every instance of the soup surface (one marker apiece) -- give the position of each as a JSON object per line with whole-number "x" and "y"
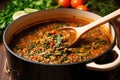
{"x": 42, "y": 43}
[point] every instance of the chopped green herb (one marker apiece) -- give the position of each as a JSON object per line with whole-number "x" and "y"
{"x": 46, "y": 44}
{"x": 102, "y": 7}
{"x": 64, "y": 59}
{"x": 58, "y": 39}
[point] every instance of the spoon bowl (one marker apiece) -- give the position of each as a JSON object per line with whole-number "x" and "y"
{"x": 81, "y": 30}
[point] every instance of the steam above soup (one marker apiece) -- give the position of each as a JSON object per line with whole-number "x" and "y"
{"x": 42, "y": 43}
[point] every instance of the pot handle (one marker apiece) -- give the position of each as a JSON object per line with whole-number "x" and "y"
{"x": 108, "y": 66}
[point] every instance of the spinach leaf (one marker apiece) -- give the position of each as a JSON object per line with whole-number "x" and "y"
{"x": 58, "y": 39}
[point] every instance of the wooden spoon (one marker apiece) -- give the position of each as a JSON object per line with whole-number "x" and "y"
{"x": 81, "y": 30}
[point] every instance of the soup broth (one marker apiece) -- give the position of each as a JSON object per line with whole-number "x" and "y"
{"x": 42, "y": 43}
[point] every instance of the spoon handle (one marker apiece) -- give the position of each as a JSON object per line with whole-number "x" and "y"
{"x": 102, "y": 20}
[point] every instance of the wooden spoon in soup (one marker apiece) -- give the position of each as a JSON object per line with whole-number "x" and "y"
{"x": 79, "y": 31}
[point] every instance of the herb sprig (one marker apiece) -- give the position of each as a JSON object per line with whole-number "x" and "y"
{"x": 102, "y": 7}
{"x": 16, "y": 5}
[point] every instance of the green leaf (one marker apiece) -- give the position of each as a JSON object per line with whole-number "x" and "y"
{"x": 102, "y": 7}
{"x": 2, "y": 25}
{"x": 58, "y": 40}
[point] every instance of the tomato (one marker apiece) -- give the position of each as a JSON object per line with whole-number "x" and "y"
{"x": 54, "y": 32}
{"x": 34, "y": 58}
{"x": 75, "y": 3}
{"x": 82, "y": 7}
{"x": 52, "y": 44}
{"x": 64, "y": 3}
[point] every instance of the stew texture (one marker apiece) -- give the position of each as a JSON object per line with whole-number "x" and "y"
{"x": 42, "y": 43}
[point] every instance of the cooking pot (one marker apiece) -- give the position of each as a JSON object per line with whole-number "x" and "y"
{"x": 22, "y": 69}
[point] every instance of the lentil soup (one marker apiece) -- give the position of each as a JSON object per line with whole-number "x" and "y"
{"x": 42, "y": 43}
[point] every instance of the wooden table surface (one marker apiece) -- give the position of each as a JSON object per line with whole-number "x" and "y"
{"x": 110, "y": 75}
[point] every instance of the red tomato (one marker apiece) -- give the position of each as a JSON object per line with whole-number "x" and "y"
{"x": 54, "y": 32}
{"x": 82, "y": 7}
{"x": 75, "y": 3}
{"x": 34, "y": 58}
{"x": 52, "y": 44}
{"x": 64, "y": 3}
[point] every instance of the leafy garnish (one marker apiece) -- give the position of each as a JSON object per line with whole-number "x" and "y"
{"x": 102, "y": 7}
{"x": 17, "y": 5}
{"x": 58, "y": 39}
